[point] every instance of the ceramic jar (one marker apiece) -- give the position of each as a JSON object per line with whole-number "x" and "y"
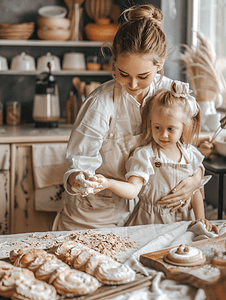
{"x": 23, "y": 62}
{"x": 101, "y": 30}
{"x": 43, "y": 61}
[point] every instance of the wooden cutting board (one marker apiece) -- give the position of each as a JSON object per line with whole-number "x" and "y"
{"x": 198, "y": 276}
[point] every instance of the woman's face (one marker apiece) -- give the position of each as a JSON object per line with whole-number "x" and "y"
{"x": 135, "y": 72}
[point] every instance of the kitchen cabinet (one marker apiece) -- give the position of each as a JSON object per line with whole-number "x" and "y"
{"x": 4, "y": 188}
{"x": 17, "y": 198}
{"x": 24, "y": 217}
{"x": 215, "y": 189}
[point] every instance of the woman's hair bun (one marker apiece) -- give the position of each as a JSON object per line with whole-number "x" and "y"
{"x": 145, "y": 11}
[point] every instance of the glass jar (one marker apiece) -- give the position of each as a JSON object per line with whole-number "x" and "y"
{"x": 13, "y": 113}
{"x": 1, "y": 113}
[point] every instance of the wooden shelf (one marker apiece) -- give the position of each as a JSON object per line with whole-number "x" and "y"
{"x": 60, "y": 73}
{"x": 45, "y": 43}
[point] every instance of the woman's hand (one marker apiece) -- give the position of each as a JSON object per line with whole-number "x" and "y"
{"x": 209, "y": 225}
{"x": 85, "y": 184}
{"x": 182, "y": 192}
{"x": 206, "y": 148}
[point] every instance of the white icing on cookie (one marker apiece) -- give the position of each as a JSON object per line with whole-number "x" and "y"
{"x": 114, "y": 273}
{"x": 34, "y": 289}
{"x": 185, "y": 254}
{"x": 94, "y": 261}
{"x": 74, "y": 282}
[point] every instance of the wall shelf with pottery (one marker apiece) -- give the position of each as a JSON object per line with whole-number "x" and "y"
{"x": 60, "y": 73}
{"x": 50, "y": 43}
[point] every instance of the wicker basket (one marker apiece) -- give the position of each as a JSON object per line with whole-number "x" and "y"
{"x": 20, "y": 31}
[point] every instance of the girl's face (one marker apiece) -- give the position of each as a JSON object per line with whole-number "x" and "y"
{"x": 135, "y": 72}
{"x": 167, "y": 128}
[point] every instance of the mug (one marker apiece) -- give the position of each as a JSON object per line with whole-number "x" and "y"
{"x": 213, "y": 121}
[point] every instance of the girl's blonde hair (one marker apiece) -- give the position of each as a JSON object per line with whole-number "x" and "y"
{"x": 141, "y": 32}
{"x": 164, "y": 101}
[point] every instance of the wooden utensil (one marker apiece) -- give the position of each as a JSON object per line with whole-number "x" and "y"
{"x": 194, "y": 275}
{"x": 69, "y": 5}
{"x": 75, "y": 20}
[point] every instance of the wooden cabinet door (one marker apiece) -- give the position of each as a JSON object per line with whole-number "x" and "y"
{"x": 24, "y": 218}
{"x": 4, "y": 188}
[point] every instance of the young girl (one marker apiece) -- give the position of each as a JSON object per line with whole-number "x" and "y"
{"x": 109, "y": 124}
{"x": 170, "y": 122}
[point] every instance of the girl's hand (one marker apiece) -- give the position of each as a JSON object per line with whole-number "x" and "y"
{"x": 103, "y": 183}
{"x": 209, "y": 225}
{"x": 182, "y": 192}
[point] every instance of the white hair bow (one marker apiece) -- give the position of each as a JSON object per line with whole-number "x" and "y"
{"x": 181, "y": 89}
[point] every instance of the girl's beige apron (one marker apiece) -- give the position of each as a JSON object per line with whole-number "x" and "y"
{"x": 167, "y": 176}
{"x": 104, "y": 209}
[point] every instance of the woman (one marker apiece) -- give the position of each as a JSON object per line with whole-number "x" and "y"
{"x": 108, "y": 125}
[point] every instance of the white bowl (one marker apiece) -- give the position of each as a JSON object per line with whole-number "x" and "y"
{"x": 23, "y": 62}
{"x": 220, "y": 144}
{"x": 45, "y": 59}
{"x": 52, "y": 11}
{"x": 74, "y": 61}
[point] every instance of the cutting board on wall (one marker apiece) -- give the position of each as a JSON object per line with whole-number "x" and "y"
{"x": 207, "y": 274}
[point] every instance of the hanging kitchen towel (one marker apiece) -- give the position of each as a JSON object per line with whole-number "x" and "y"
{"x": 49, "y": 164}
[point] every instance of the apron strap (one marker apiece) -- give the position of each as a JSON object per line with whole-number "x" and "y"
{"x": 116, "y": 100}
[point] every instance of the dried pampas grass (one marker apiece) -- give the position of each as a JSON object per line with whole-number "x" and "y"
{"x": 203, "y": 69}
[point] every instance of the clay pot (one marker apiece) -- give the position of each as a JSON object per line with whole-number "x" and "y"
{"x": 101, "y": 30}
{"x": 97, "y": 9}
{"x": 53, "y": 34}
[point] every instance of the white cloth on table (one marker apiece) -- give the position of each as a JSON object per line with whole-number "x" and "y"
{"x": 148, "y": 238}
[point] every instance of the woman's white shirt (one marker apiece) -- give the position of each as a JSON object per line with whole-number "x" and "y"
{"x": 92, "y": 124}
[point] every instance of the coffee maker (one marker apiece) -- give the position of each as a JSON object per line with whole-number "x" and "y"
{"x": 46, "y": 107}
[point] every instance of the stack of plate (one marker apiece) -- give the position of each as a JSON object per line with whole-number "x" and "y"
{"x": 20, "y": 31}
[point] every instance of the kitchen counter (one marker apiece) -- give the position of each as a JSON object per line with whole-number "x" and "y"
{"x": 30, "y": 134}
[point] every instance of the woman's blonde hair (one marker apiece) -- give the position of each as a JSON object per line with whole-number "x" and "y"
{"x": 164, "y": 101}
{"x": 141, "y": 32}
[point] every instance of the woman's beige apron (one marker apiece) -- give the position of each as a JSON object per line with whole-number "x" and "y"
{"x": 166, "y": 177}
{"x": 104, "y": 209}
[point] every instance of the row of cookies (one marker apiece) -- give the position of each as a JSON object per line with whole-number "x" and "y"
{"x": 53, "y": 267}
{"x": 103, "y": 267}
{"x": 20, "y": 283}
{"x": 47, "y": 267}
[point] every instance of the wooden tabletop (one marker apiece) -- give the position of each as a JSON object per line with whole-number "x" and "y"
{"x": 30, "y": 134}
